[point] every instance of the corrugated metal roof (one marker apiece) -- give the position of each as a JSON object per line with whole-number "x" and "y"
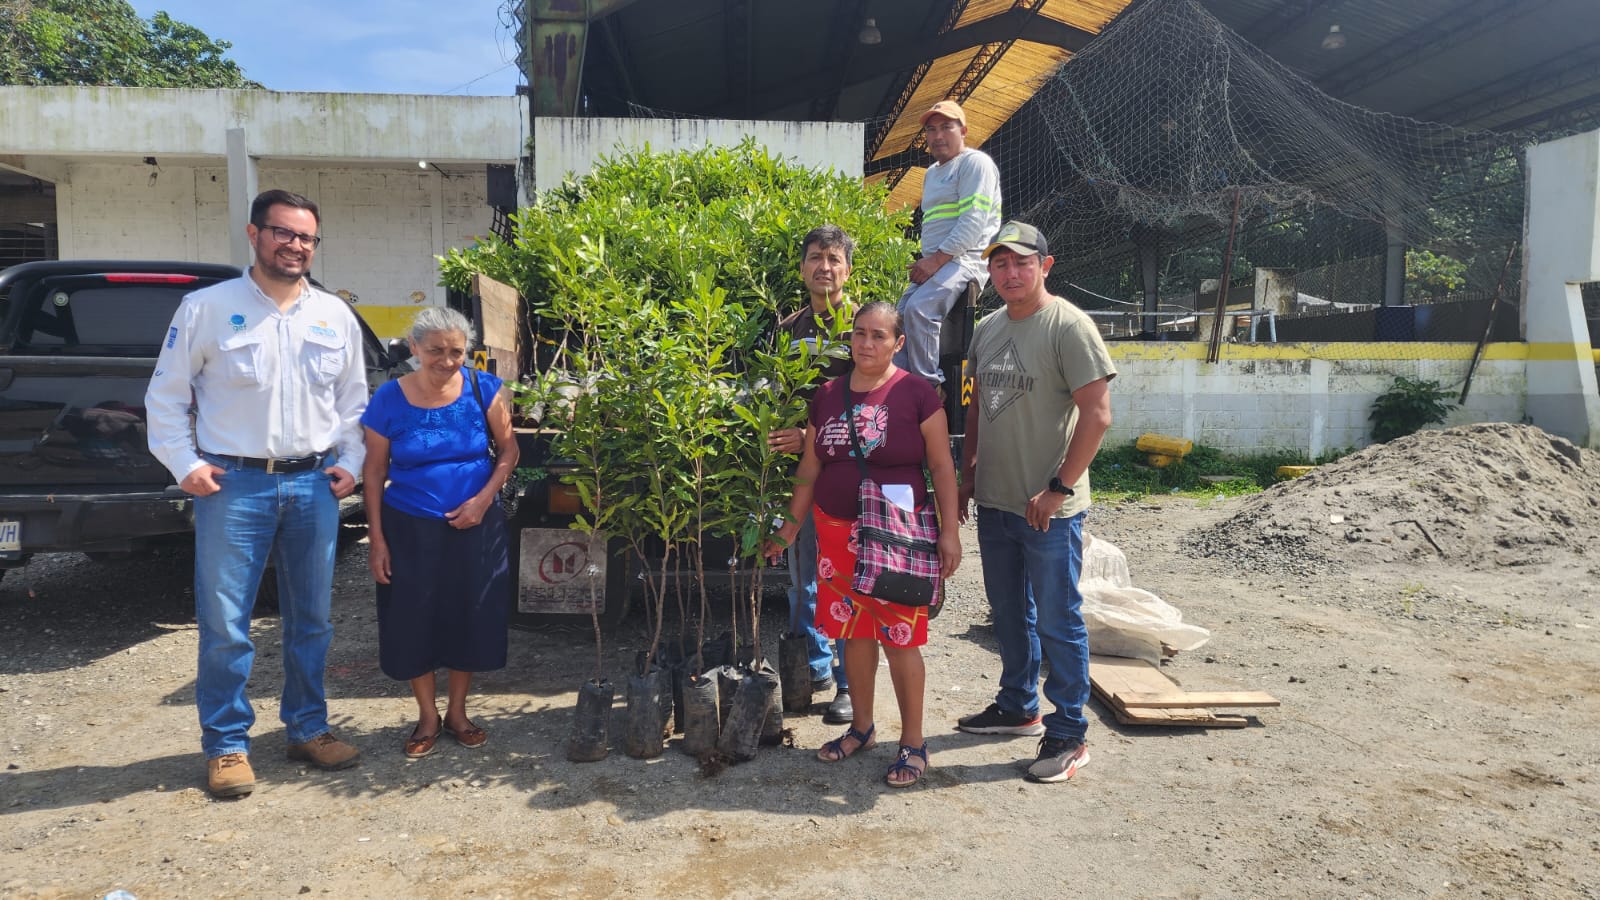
{"x": 1474, "y": 64}
{"x": 1009, "y": 73}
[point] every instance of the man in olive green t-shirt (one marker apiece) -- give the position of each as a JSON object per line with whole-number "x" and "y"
{"x": 1041, "y": 403}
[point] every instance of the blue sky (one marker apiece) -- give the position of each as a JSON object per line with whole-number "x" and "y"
{"x": 382, "y": 46}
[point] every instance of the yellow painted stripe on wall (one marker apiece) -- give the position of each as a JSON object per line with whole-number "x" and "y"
{"x": 1181, "y": 350}
{"x": 388, "y": 321}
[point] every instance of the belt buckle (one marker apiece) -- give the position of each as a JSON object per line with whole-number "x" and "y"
{"x": 270, "y": 464}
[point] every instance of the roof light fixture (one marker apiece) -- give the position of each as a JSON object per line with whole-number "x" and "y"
{"x": 1334, "y": 39}
{"x": 870, "y": 35}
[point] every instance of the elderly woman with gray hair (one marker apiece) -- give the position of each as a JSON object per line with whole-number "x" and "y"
{"x": 439, "y": 448}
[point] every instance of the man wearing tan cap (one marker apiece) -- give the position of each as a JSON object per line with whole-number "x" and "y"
{"x": 960, "y": 212}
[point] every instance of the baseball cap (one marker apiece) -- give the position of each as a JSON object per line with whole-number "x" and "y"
{"x": 947, "y": 108}
{"x": 1020, "y": 238}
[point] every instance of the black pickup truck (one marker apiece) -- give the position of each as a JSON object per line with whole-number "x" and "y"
{"x": 78, "y": 343}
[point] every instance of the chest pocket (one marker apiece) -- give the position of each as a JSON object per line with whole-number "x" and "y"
{"x": 243, "y": 360}
{"x": 323, "y": 357}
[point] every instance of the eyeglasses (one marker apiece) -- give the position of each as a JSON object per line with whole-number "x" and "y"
{"x": 285, "y": 235}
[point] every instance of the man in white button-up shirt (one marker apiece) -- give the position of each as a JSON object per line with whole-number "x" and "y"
{"x": 272, "y": 370}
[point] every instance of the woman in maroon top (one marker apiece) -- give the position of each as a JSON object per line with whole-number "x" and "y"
{"x": 901, "y": 426}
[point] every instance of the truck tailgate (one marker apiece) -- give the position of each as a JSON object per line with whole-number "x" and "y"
{"x": 68, "y": 421}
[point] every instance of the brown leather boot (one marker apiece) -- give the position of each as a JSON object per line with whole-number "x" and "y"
{"x": 230, "y": 775}
{"x": 326, "y": 752}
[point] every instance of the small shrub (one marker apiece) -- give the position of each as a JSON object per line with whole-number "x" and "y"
{"x": 1124, "y": 470}
{"x": 1408, "y": 406}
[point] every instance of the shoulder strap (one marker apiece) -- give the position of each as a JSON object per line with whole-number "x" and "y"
{"x": 488, "y": 431}
{"x": 850, "y": 417}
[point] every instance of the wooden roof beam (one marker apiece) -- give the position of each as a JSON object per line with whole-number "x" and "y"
{"x": 903, "y": 55}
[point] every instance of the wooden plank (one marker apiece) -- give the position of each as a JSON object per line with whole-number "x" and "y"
{"x": 1110, "y": 676}
{"x": 1195, "y": 699}
{"x": 1176, "y": 718}
{"x": 1113, "y": 675}
{"x": 498, "y": 308}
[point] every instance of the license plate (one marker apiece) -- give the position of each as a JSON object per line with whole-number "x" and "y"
{"x": 10, "y": 536}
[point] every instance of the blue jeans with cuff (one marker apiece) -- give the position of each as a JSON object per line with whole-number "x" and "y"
{"x": 293, "y": 520}
{"x": 1031, "y": 578}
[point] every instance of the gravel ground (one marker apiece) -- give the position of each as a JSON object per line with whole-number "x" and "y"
{"x": 1437, "y": 738}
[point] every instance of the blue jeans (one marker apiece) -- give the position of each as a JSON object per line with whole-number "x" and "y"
{"x": 802, "y": 555}
{"x": 294, "y": 519}
{"x": 1031, "y": 578}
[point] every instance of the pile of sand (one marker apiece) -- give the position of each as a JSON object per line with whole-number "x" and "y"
{"x": 1480, "y": 495}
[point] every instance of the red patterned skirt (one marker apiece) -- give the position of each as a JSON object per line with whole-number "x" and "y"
{"x": 845, "y": 613}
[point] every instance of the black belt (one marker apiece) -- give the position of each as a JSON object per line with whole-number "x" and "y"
{"x": 283, "y": 465}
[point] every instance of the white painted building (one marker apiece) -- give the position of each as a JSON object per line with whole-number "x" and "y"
{"x": 169, "y": 174}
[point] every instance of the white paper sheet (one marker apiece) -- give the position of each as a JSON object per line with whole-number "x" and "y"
{"x": 900, "y": 495}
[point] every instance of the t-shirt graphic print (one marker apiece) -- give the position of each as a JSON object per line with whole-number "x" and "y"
{"x": 1002, "y": 379}
{"x": 872, "y": 427}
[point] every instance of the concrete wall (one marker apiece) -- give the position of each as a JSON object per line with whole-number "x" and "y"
{"x": 382, "y": 227}
{"x": 563, "y": 146}
{"x": 1561, "y": 251}
{"x": 283, "y": 125}
{"x": 385, "y": 217}
{"x": 1307, "y": 397}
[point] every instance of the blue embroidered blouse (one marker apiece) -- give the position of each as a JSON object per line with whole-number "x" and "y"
{"x": 438, "y": 458}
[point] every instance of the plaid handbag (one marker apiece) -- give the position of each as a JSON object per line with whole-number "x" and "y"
{"x": 897, "y": 550}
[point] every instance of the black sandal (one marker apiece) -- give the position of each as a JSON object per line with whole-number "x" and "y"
{"x": 835, "y": 748}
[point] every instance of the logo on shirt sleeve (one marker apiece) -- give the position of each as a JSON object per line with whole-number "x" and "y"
{"x": 172, "y": 336}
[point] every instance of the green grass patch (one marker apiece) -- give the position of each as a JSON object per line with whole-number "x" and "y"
{"x": 1121, "y": 472}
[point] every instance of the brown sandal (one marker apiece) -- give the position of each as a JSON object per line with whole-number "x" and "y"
{"x": 419, "y": 745}
{"x": 471, "y": 737}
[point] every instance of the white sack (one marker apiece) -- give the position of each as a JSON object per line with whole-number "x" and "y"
{"x": 1122, "y": 619}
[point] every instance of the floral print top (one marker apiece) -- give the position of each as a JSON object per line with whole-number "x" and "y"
{"x": 888, "y": 422}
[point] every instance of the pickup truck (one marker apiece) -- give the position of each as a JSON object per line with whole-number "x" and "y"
{"x": 78, "y": 343}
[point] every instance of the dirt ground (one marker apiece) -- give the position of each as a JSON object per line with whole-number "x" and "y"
{"x": 1438, "y": 736}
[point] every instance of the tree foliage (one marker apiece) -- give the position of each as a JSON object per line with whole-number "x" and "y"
{"x": 654, "y": 283}
{"x": 105, "y": 42}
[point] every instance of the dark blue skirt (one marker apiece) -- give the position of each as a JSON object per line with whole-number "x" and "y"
{"x": 448, "y": 596}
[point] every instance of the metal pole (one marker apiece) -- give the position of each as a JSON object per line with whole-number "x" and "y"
{"x": 1488, "y": 327}
{"x": 1214, "y": 351}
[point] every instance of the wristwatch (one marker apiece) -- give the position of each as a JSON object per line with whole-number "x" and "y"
{"x": 1058, "y": 487}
